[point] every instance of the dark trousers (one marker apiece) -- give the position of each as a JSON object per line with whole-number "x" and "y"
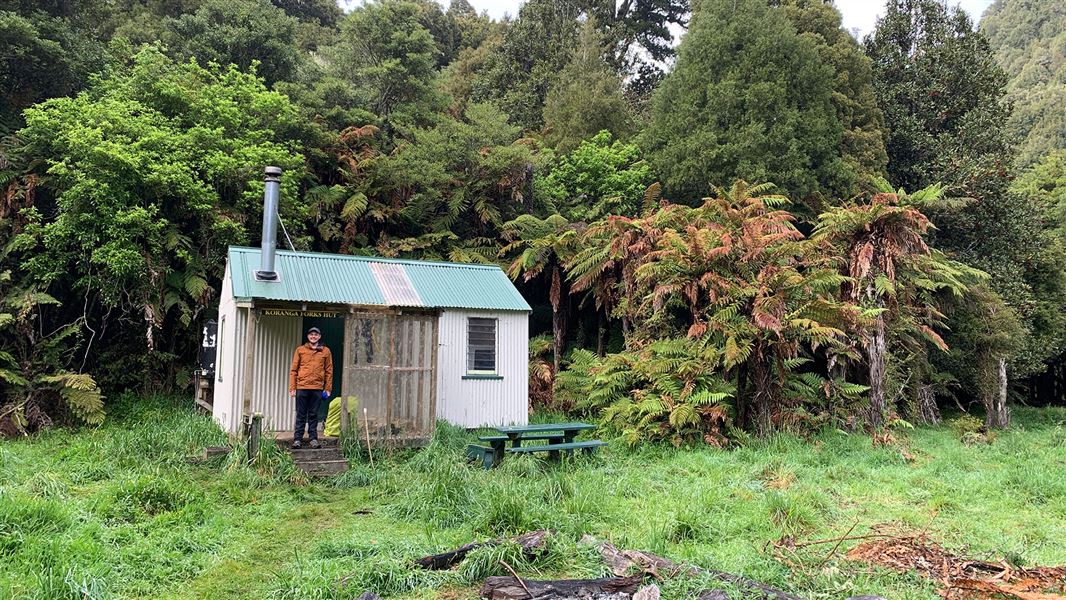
{"x": 307, "y": 413}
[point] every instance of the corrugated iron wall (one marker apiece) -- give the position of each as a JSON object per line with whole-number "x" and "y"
{"x": 276, "y": 340}
{"x": 480, "y": 402}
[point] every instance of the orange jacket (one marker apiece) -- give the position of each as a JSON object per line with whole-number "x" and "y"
{"x": 312, "y": 369}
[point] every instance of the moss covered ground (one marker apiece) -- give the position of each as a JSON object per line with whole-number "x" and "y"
{"x": 119, "y": 512}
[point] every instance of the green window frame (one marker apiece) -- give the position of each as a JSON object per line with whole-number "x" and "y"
{"x": 481, "y": 346}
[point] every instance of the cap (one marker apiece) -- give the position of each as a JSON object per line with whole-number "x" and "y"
{"x": 314, "y": 330}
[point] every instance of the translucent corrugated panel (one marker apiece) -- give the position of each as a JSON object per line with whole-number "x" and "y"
{"x": 394, "y": 284}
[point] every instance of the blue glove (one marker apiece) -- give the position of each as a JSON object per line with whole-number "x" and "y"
{"x": 325, "y": 395}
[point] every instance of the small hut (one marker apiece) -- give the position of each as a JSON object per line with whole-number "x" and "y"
{"x": 412, "y": 341}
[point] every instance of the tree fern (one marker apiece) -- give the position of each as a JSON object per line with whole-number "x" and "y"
{"x": 81, "y": 394}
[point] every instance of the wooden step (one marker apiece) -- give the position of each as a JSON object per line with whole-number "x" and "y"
{"x": 285, "y": 441}
{"x": 311, "y": 454}
{"x": 323, "y": 468}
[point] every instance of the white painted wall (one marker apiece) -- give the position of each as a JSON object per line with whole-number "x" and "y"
{"x": 478, "y": 402}
{"x": 276, "y": 339}
{"x": 230, "y": 321}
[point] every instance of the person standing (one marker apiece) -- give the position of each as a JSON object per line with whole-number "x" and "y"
{"x": 310, "y": 380}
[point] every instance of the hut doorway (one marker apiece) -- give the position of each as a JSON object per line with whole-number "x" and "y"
{"x": 390, "y": 365}
{"x": 332, "y": 329}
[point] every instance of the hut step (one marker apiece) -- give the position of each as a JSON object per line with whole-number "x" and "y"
{"x": 311, "y": 454}
{"x": 323, "y": 468}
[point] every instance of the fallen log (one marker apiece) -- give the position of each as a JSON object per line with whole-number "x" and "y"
{"x": 513, "y": 588}
{"x": 530, "y": 542}
{"x": 623, "y": 561}
{"x": 648, "y": 592}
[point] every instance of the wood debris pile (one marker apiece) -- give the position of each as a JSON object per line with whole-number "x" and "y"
{"x": 962, "y": 578}
{"x": 630, "y": 567}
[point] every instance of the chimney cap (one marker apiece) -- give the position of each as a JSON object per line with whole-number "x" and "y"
{"x": 272, "y": 171}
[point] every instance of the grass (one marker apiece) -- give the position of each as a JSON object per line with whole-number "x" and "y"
{"x": 119, "y": 512}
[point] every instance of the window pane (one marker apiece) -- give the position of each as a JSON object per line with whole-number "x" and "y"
{"x": 481, "y": 344}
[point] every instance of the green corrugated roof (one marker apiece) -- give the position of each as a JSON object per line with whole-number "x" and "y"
{"x": 343, "y": 279}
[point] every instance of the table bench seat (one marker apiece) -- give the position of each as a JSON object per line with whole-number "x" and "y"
{"x": 553, "y": 450}
{"x": 485, "y": 454}
{"x": 538, "y": 436}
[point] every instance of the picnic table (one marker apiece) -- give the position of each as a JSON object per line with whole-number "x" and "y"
{"x": 559, "y": 438}
{"x": 515, "y": 433}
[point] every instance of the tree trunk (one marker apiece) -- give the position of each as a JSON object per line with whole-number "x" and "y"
{"x": 743, "y": 408}
{"x": 624, "y": 561}
{"x": 558, "y": 322}
{"x": 876, "y": 349}
{"x": 995, "y": 398}
{"x": 925, "y": 408}
{"x": 601, "y": 333}
{"x": 764, "y": 389}
{"x": 512, "y": 588}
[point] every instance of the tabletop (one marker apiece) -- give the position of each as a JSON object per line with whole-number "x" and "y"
{"x": 543, "y": 427}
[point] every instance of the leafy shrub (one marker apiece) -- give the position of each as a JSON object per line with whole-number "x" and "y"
{"x": 670, "y": 390}
{"x": 967, "y": 423}
{"x": 972, "y": 430}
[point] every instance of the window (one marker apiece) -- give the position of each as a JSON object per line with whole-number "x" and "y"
{"x": 481, "y": 345}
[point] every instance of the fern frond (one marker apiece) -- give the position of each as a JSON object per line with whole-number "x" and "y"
{"x": 81, "y": 394}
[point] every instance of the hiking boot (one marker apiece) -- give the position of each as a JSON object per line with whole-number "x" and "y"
{"x": 315, "y": 445}
{"x": 297, "y": 444}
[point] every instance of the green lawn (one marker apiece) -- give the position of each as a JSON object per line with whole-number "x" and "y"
{"x": 117, "y": 512}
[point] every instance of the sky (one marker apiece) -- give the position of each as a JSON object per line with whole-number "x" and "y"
{"x": 858, "y": 14}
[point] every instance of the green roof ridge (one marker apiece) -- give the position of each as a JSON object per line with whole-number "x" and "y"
{"x": 347, "y": 278}
{"x": 402, "y": 261}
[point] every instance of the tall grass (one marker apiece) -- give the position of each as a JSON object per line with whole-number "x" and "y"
{"x": 119, "y": 512}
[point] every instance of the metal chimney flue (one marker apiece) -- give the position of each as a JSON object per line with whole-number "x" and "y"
{"x": 271, "y": 193}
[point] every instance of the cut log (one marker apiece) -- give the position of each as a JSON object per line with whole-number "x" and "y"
{"x": 512, "y": 588}
{"x": 531, "y": 542}
{"x": 623, "y": 562}
{"x": 210, "y": 451}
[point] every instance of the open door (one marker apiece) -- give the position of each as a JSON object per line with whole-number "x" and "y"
{"x": 332, "y": 329}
